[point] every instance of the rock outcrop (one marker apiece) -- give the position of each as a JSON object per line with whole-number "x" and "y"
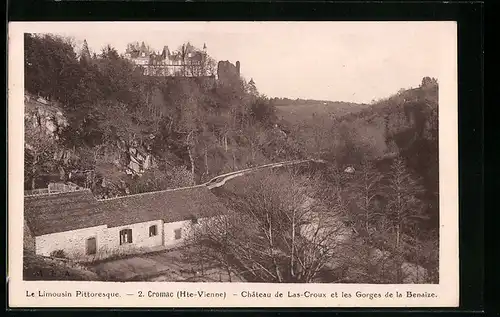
{"x": 129, "y": 157}
{"x": 41, "y": 113}
{"x": 413, "y": 273}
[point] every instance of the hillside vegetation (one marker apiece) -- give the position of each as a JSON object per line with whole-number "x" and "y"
{"x": 191, "y": 130}
{"x": 403, "y": 126}
{"x": 388, "y": 204}
{"x": 39, "y": 268}
{"x": 297, "y": 111}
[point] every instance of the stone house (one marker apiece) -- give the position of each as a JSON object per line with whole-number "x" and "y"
{"x": 80, "y": 226}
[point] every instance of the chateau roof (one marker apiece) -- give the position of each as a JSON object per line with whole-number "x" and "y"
{"x": 53, "y": 213}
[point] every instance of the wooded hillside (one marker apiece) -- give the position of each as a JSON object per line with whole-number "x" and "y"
{"x": 192, "y": 130}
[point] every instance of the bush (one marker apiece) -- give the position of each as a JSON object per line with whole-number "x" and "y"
{"x": 58, "y": 254}
{"x": 156, "y": 179}
{"x": 263, "y": 111}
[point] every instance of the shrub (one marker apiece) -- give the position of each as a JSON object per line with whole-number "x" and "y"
{"x": 58, "y": 254}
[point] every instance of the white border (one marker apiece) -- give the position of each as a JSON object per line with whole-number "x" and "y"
{"x": 447, "y": 290}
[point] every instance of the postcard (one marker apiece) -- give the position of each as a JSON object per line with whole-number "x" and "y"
{"x": 233, "y": 164}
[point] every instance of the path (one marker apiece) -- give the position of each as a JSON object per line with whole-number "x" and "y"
{"x": 220, "y": 180}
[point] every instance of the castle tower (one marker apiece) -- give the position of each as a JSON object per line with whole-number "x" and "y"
{"x": 143, "y": 50}
{"x": 165, "y": 53}
{"x": 238, "y": 68}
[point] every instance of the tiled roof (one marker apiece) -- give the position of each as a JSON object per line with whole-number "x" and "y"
{"x": 69, "y": 211}
{"x": 169, "y": 205}
{"x": 61, "y": 212}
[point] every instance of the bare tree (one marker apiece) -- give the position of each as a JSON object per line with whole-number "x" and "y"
{"x": 365, "y": 189}
{"x": 188, "y": 125}
{"x": 404, "y": 207}
{"x": 275, "y": 231}
{"x": 209, "y": 66}
{"x": 190, "y": 143}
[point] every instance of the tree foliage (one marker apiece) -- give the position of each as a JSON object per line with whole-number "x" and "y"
{"x": 39, "y": 152}
{"x": 156, "y": 179}
{"x": 51, "y": 68}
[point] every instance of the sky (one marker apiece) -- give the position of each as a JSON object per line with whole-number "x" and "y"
{"x": 337, "y": 61}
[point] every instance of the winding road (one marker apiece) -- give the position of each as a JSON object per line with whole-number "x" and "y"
{"x": 215, "y": 182}
{"x": 220, "y": 180}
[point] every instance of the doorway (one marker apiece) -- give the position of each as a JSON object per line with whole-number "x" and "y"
{"x": 91, "y": 246}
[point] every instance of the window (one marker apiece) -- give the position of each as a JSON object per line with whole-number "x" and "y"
{"x": 125, "y": 236}
{"x": 178, "y": 234}
{"x": 91, "y": 246}
{"x": 153, "y": 231}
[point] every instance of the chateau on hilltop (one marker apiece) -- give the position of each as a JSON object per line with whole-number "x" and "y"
{"x": 187, "y": 61}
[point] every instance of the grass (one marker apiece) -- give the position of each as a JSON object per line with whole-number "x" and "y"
{"x": 39, "y": 268}
{"x": 165, "y": 266}
{"x": 104, "y": 256}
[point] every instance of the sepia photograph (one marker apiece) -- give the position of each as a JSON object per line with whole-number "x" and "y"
{"x": 302, "y": 153}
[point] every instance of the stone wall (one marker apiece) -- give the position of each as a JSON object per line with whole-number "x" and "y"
{"x": 109, "y": 240}
{"x": 73, "y": 242}
{"x": 169, "y": 229}
{"x": 28, "y": 240}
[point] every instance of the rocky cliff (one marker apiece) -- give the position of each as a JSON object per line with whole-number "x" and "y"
{"x": 44, "y": 121}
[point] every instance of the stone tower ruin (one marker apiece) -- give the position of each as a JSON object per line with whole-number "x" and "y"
{"x": 227, "y": 72}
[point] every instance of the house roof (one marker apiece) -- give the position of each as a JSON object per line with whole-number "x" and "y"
{"x": 61, "y": 212}
{"x": 70, "y": 211}
{"x": 168, "y": 205}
